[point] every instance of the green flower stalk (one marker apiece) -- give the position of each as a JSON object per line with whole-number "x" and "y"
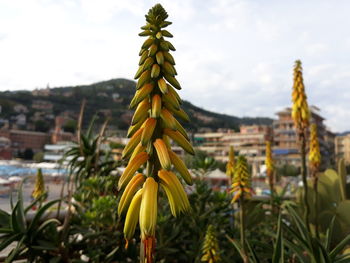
{"x": 301, "y": 117}
{"x": 154, "y": 124}
{"x": 230, "y": 166}
{"x": 210, "y": 249}
{"x": 314, "y": 162}
{"x": 242, "y": 190}
{"x": 270, "y": 169}
{"x": 39, "y": 188}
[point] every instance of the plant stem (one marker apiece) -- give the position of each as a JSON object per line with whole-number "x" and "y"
{"x": 245, "y": 259}
{"x": 269, "y": 175}
{"x": 304, "y": 177}
{"x": 316, "y": 205}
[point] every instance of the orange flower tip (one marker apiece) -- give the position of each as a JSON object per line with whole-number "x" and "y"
{"x": 149, "y": 245}
{"x": 126, "y": 243}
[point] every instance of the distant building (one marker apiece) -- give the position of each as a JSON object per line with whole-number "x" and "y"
{"x": 59, "y": 135}
{"x": 5, "y": 149}
{"x": 21, "y": 140}
{"x": 67, "y": 94}
{"x": 55, "y": 152}
{"x": 19, "y": 108}
{"x": 42, "y": 105}
{"x": 102, "y": 94}
{"x": 4, "y": 123}
{"x": 42, "y": 92}
{"x": 342, "y": 147}
{"x": 21, "y": 120}
{"x": 249, "y": 141}
{"x": 286, "y": 145}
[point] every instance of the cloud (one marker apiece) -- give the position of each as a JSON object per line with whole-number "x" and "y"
{"x": 233, "y": 56}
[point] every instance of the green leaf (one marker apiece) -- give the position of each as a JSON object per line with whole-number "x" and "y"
{"x": 299, "y": 238}
{"x": 323, "y": 255}
{"x": 44, "y": 247}
{"x": 237, "y": 246}
{"x": 15, "y": 251}
{"x": 4, "y": 218}
{"x": 89, "y": 130}
{"x": 343, "y": 259}
{"x": 30, "y": 206}
{"x": 339, "y": 247}
{"x": 44, "y": 225}
{"x": 299, "y": 252}
{"x": 112, "y": 253}
{"x": 254, "y": 257}
{"x": 14, "y": 223}
{"x": 39, "y": 214}
{"x": 329, "y": 234}
{"x": 4, "y": 244}
{"x": 300, "y": 225}
{"x": 278, "y": 252}
{"x": 11, "y": 201}
{"x": 55, "y": 260}
{"x": 6, "y": 230}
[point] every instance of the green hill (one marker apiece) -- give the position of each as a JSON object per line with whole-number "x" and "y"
{"x": 106, "y": 98}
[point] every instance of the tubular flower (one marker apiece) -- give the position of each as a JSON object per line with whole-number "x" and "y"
{"x": 300, "y": 108}
{"x": 176, "y": 194}
{"x": 132, "y": 217}
{"x": 39, "y": 188}
{"x": 230, "y": 166}
{"x": 210, "y": 247}
{"x": 241, "y": 180}
{"x": 157, "y": 105}
{"x": 314, "y": 154}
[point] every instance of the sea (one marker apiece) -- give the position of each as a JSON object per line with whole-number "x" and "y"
{"x": 13, "y": 172}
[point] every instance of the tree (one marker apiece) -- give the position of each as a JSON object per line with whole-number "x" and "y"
{"x": 41, "y": 126}
{"x": 288, "y": 170}
{"x": 70, "y": 126}
{"x": 28, "y": 154}
{"x": 38, "y": 157}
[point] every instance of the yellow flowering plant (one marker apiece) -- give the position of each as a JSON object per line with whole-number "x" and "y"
{"x": 154, "y": 125}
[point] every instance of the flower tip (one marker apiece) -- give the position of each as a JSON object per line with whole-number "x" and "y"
{"x": 126, "y": 244}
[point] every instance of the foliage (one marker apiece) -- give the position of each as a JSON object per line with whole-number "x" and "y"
{"x": 181, "y": 236}
{"x": 116, "y": 145}
{"x": 87, "y": 159}
{"x": 201, "y": 163}
{"x": 303, "y": 245}
{"x": 332, "y": 204}
{"x": 42, "y": 126}
{"x": 70, "y": 126}
{"x": 28, "y": 154}
{"x": 287, "y": 170}
{"x": 114, "y": 95}
{"x": 38, "y": 157}
{"x": 37, "y": 239}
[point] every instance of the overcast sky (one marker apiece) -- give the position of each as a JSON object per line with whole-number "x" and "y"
{"x": 233, "y": 56}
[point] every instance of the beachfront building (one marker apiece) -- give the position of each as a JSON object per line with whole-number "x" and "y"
{"x": 286, "y": 148}
{"x": 5, "y": 149}
{"x": 22, "y": 140}
{"x": 342, "y": 147}
{"x": 59, "y": 135}
{"x": 55, "y": 152}
{"x": 249, "y": 141}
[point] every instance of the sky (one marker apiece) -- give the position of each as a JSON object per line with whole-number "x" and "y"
{"x": 232, "y": 56}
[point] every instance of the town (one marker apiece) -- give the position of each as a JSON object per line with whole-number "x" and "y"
{"x": 20, "y": 138}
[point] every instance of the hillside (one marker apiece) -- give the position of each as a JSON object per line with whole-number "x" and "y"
{"x": 107, "y": 98}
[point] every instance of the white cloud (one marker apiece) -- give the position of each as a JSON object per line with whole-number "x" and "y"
{"x": 233, "y": 56}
